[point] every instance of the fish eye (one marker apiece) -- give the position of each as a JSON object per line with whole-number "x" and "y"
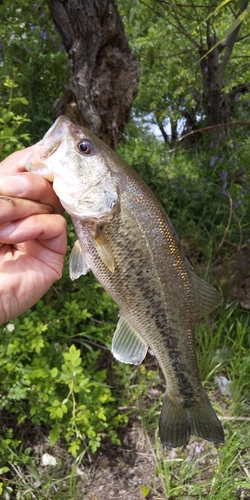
{"x": 85, "y": 147}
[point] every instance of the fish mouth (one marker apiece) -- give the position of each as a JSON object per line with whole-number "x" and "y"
{"x": 58, "y": 130}
{"x": 37, "y": 161}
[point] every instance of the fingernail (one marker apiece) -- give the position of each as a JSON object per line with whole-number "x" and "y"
{"x": 13, "y": 185}
{"x": 7, "y": 230}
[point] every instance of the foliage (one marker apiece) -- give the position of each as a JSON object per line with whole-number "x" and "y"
{"x": 31, "y": 56}
{"x": 57, "y": 385}
{"x": 11, "y": 122}
{"x": 184, "y": 86}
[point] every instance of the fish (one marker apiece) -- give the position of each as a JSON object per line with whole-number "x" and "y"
{"x": 127, "y": 240}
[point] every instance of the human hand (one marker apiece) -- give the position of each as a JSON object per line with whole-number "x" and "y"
{"x": 33, "y": 237}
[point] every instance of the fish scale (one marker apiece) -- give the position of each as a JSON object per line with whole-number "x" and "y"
{"x": 127, "y": 240}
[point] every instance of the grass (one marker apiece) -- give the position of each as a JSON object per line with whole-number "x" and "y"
{"x": 223, "y": 350}
{"x": 205, "y": 471}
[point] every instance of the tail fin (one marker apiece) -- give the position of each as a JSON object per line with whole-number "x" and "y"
{"x": 177, "y": 422}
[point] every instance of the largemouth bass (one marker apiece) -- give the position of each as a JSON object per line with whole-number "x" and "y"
{"x": 127, "y": 240}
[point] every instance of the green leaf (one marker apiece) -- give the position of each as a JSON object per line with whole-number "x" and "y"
{"x": 3, "y": 470}
{"x": 145, "y": 490}
{"x": 54, "y": 372}
{"x": 22, "y": 100}
{"x": 74, "y": 448}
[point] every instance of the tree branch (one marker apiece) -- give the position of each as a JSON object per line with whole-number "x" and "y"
{"x": 213, "y": 127}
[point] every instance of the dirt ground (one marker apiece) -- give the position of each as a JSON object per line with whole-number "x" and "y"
{"x": 126, "y": 472}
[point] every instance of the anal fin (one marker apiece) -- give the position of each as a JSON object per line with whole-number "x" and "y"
{"x": 127, "y": 346}
{"x": 207, "y": 298}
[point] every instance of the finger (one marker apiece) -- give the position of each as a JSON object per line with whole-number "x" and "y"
{"x": 48, "y": 229}
{"x": 16, "y": 161}
{"x": 30, "y": 186}
{"x": 12, "y": 209}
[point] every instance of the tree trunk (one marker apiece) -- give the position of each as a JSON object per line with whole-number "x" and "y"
{"x": 105, "y": 72}
{"x": 213, "y": 68}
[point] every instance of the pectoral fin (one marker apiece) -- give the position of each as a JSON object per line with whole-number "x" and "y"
{"x": 206, "y": 297}
{"x": 77, "y": 262}
{"x": 104, "y": 250}
{"x": 127, "y": 346}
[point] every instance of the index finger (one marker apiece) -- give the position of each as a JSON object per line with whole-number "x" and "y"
{"x": 15, "y": 162}
{"x": 27, "y": 187}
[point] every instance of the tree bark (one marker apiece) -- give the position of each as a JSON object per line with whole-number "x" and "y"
{"x": 105, "y": 72}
